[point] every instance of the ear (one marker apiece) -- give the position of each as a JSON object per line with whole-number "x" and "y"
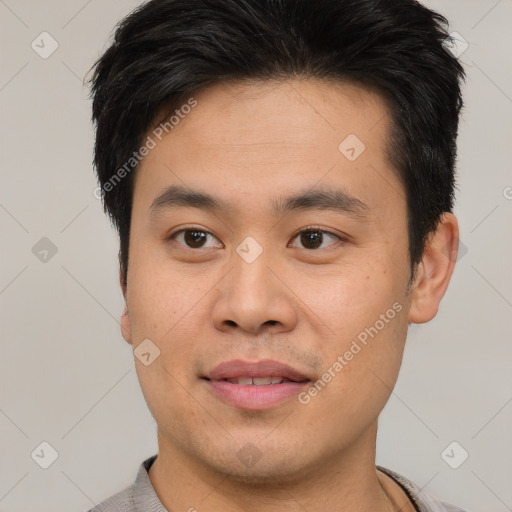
{"x": 126, "y": 328}
{"x": 435, "y": 270}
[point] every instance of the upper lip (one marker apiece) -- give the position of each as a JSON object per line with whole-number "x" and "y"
{"x": 264, "y": 368}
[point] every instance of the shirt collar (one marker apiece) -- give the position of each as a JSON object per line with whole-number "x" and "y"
{"x": 145, "y": 498}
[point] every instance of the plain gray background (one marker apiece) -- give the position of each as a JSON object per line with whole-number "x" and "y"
{"x": 68, "y": 378}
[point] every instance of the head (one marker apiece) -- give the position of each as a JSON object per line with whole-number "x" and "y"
{"x": 223, "y": 130}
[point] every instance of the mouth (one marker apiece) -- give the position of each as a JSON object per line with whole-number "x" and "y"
{"x": 256, "y": 385}
{"x": 258, "y": 381}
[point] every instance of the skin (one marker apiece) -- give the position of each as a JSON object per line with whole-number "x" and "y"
{"x": 249, "y": 144}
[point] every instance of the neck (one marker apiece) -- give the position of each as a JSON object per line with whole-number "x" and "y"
{"x": 347, "y": 481}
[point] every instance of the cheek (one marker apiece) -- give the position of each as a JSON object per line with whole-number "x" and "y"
{"x": 366, "y": 313}
{"x": 361, "y": 366}
{"x": 165, "y": 308}
{"x": 349, "y": 297}
{"x": 165, "y": 299}
{"x": 170, "y": 399}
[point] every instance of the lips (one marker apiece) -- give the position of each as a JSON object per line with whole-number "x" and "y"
{"x": 257, "y": 381}
{"x": 255, "y": 386}
{"x": 265, "y": 372}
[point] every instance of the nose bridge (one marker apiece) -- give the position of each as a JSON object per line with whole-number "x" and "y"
{"x": 251, "y": 280}
{"x": 251, "y": 295}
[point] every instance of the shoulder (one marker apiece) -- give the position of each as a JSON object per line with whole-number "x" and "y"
{"x": 422, "y": 501}
{"x": 139, "y": 496}
{"x": 120, "y": 502}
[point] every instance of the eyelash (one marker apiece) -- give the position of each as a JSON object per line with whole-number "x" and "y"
{"x": 308, "y": 229}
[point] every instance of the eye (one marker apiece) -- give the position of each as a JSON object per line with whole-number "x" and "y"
{"x": 314, "y": 238}
{"x": 193, "y": 238}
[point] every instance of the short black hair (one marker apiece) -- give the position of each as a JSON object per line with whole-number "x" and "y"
{"x": 167, "y": 50}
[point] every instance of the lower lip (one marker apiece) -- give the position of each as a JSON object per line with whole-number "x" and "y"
{"x": 255, "y": 398}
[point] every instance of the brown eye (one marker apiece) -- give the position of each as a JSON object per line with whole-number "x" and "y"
{"x": 314, "y": 238}
{"x": 193, "y": 238}
{"x": 311, "y": 239}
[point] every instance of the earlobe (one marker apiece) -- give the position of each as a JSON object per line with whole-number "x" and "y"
{"x": 434, "y": 272}
{"x": 126, "y": 329}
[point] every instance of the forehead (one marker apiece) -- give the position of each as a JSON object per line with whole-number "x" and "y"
{"x": 298, "y": 111}
{"x": 258, "y": 136}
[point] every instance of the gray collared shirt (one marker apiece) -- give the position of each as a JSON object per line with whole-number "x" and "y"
{"x": 141, "y": 495}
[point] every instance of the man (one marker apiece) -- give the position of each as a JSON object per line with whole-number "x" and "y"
{"x": 281, "y": 174}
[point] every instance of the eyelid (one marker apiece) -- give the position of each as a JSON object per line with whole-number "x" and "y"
{"x": 340, "y": 237}
{"x": 317, "y": 228}
{"x": 173, "y": 234}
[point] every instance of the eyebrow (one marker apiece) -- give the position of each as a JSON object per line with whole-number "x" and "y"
{"x": 319, "y": 198}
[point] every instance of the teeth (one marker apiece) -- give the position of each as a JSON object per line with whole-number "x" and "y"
{"x": 257, "y": 381}
{"x": 261, "y": 381}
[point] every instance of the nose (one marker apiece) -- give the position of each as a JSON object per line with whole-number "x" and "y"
{"x": 254, "y": 298}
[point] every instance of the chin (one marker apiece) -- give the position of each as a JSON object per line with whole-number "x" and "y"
{"x": 268, "y": 476}
{"x": 251, "y": 467}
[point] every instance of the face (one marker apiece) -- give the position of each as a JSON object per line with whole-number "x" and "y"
{"x": 293, "y": 272}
